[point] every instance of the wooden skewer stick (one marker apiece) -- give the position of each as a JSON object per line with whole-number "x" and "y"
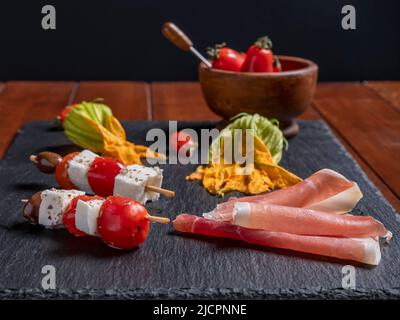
{"x": 148, "y": 217}
{"x": 158, "y": 219}
{"x": 165, "y": 192}
{"x": 33, "y": 158}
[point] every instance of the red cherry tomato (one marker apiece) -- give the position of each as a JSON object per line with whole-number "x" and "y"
{"x": 101, "y": 175}
{"x": 180, "y": 139}
{"x": 259, "y": 57}
{"x": 62, "y": 174}
{"x": 64, "y": 113}
{"x": 224, "y": 58}
{"x": 70, "y": 212}
{"x": 122, "y": 223}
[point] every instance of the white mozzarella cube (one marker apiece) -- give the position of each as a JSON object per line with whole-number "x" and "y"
{"x": 86, "y": 216}
{"x": 78, "y": 168}
{"x": 53, "y": 204}
{"x": 131, "y": 182}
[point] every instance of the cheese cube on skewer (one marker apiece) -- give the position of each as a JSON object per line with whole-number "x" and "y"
{"x": 131, "y": 182}
{"x": 52, "y": 207}
{"x": 78, "y": 168}
{"x": 86, "y": 216}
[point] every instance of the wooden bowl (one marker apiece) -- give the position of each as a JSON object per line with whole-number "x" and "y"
{"x": 284, "y": 95}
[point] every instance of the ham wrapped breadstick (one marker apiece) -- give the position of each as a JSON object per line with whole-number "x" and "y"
{"x": 325, "y": 190}
{"x": 303, "y": 221}
{"x": 364, "y": 250}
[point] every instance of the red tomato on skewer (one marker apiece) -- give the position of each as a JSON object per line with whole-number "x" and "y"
{"x": 70, "y": 212}
{"x": 101, "y": 175}
{"x": 61, "y": 173}
{"x": 122, "y": 223}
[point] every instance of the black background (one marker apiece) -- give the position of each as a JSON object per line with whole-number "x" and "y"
{"x": 121, "y": 39}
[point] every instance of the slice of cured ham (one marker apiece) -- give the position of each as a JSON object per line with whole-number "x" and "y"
{"x": 365, "y": 250}
{"x": 326, "y": 190}
{"x": 303, "y": 221}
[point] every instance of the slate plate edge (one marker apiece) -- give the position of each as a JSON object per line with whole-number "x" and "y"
{"x": 207, "y": 293}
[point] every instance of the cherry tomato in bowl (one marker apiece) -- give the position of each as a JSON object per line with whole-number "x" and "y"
{"x": 225, "y": 58}
{"x": 122, "y": 223}
{"x": 259, "y": 57}
{"x": 101, "y": 175}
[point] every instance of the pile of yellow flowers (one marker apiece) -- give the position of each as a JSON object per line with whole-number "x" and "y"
{"x": 264, "y": 175}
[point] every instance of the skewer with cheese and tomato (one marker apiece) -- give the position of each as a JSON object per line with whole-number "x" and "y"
{"x": 88, "y": 172}
{"x": 120, "y": 222}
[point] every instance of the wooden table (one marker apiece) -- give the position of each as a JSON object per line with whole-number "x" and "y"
{"x": 364, "y": 116}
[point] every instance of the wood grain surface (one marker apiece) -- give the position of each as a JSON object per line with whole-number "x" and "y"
{"x": 21, "y": 102}
{"x": 368, "y": 123}
{"x": 179, "y": 101}
{"x": 389, "y": 90}
{"x": 128, "y": 100}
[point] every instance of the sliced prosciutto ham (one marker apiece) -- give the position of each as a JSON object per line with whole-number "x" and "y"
{"x": 326, "y": 190}
{"x": 303, "y": 221}
{"x": 364, "y": 250}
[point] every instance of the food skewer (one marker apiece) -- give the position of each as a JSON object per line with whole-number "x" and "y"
{"x": 164, "y": 192}
{"x": 149, "y": 217}
{"x": 182, "y": 41}
{"x": 120, "y": 222}
{"x": 157, "y": 219}
{"x": 102, "y": 176}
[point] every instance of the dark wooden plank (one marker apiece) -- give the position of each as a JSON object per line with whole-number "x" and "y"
{"x": 179, "y": 101}
{"x": 313, "y": 114}
{"x": 128, "y": 100}
{"x": 368, "y": 123}
{"x": 1, "y": 86}
{"x": 25, "y": 101}
{"x": 377, "y": 180}
{"x": 389, "y": 90}
{"x": 310, "y": 114}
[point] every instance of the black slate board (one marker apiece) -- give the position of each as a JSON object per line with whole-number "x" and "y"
{"x": 169, "y": 265}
